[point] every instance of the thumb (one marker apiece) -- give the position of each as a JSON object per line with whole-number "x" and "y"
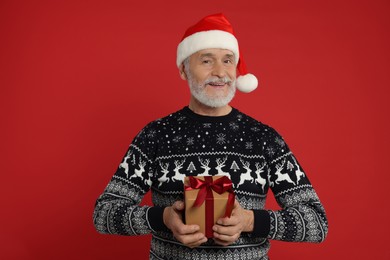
{"x": 236, "y": 206}
{"x": 178, "y": 205}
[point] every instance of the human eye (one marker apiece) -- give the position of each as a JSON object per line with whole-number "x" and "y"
{"x": 228, "y": 61}
{"x": 206, "y": 61}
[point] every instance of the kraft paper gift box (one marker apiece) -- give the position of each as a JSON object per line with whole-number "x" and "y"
{"x": 216, "y": 196}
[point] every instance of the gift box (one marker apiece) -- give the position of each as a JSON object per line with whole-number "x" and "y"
{"x": 207, "y": 198}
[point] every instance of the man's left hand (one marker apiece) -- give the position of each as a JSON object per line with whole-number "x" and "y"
{"x": 228, "y": 230}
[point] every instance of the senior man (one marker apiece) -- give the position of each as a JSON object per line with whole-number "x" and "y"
{"x": 206, "y": 138}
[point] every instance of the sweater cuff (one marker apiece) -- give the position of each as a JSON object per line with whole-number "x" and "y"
{"x": 155, "y": 218}
{"x": 262, "y": 223}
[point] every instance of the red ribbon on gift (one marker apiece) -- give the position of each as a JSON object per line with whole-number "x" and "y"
{"x": 220, "y": 185}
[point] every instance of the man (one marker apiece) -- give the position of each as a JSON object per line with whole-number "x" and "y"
{"x": 209, "y": 137}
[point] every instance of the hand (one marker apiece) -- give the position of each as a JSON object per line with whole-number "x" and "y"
{"x": 189, "y": 235}
{"x": 228, "y": 230}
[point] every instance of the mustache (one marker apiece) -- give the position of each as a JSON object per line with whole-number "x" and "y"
{"x": 216, "y": 80}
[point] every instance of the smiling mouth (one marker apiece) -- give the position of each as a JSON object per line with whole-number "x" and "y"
{"x": 217, "y": 84}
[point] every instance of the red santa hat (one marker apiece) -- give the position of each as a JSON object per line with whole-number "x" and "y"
{"x": 215, "y": 31}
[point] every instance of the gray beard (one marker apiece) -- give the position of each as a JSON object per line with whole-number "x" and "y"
{"x": 198, "y": 91}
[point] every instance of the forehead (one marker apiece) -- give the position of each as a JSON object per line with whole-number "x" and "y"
{"x": 214, "y": 53}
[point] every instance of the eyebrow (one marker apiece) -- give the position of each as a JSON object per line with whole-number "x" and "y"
{"x": 208, "y": 54}
{"x": 229, "y": 56}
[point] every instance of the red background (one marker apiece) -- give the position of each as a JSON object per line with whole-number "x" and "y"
{"x": 80, "y": 78}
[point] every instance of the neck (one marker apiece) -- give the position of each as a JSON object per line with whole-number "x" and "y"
{"x": 204, "y": 110}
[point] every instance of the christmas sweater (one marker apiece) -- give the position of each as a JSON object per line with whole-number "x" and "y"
{"x": 253, "y": 155}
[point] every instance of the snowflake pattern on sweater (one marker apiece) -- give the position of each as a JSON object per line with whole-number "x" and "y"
{"x": 254, "y": 156}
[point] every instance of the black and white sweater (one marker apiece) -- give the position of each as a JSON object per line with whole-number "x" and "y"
{"x": 253, "y": 155}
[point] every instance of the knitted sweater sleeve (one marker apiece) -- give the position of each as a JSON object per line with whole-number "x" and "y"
{"x": 118, "y": 210}
{"x": 302, "y": 216}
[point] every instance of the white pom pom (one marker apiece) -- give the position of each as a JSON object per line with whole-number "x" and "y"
{"x": 246, "y": 83}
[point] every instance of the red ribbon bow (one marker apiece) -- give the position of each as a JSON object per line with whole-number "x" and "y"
{"x": 220, "y": 185}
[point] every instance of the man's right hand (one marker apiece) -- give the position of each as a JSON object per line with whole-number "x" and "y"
{"x": 189, "y": 235}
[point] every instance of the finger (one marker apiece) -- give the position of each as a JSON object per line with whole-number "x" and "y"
{"x": 183, "y": 229}
{"x": 202, "y": 241}
{"x": 229, "y": 239}
{"x": 228, "y": 231}
{"x": 178, "y": 205}
{"x": 236, "y": 208}
{"x": 197, "y": 243}
{"x": 232, "y": 221}
{"x": 193, "y": 239}
{"x": 221, "y": 242}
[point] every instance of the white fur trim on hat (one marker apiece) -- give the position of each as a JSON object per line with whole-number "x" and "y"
{"x": 206, "y": 40}
{"x": 246, "y": 83}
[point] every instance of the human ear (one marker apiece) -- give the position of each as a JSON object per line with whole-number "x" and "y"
{"x": 183, "y": 74}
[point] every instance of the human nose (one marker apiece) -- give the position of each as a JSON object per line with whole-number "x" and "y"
{"x": 219, "y": 70}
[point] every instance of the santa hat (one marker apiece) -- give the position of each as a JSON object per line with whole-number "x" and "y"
{"x": 215, "y": 31}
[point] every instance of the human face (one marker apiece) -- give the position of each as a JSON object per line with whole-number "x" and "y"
{"x": 211, "y": 75}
